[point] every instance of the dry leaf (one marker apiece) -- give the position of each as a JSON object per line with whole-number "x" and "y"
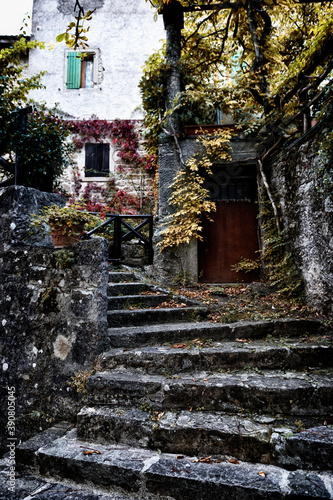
{"x": 87, "y": 452}
{"x": 168, "y": 305}
{"x": 208, "y": 460}
{"x": 241, "y": 340}
{"x": 262, "y": 473}
{"x": 206, "y": 378}
{"x": 158, "y": 415}
{"x": 233, "y": 461}
{"x": 179, "y": 346}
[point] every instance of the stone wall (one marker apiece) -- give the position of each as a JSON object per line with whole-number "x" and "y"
{"x": 53, "y": 318}
{"x": 308, "y": 219}
{"x": 16, "y": 204}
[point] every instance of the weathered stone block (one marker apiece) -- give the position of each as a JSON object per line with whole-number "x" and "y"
{"x": 308, "y": 220}
{"x": 52, "y": 317}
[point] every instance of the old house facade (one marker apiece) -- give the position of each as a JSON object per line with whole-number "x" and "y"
{"x": 104, "y": 85}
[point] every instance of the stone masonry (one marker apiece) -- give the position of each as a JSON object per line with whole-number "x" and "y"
{"x": 52, "y": 318}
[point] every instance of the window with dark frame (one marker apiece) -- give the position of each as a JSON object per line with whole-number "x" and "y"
{"x": 80, "y": 70}
{"x": 97, "y": 161}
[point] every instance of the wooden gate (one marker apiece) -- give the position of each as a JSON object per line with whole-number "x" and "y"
{"x": 233, "y": 232}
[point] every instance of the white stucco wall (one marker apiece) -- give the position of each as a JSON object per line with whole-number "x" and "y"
{"x": 123, "y": 31}
{"x": 122, "y": 34}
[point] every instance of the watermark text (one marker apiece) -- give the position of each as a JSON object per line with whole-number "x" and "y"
{"x": 11, "y": 437}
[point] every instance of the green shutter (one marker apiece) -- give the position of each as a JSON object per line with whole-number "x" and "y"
{"x": 73, "y": 70}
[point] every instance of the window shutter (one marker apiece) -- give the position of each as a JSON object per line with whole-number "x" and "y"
{"x": 73, "y": 70}
{"x": 105, "y": 163}
{"x": 91, "y": 160}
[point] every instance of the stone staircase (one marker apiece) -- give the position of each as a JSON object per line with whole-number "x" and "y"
{"x": 181, "y": 408}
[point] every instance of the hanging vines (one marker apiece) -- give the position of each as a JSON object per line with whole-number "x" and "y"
{"x": 190, "y": 198}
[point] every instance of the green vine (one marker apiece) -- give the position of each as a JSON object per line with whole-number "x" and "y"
{"x": 153, "y": 96}
{"x": 65, "y": 258}
{"x": 246, "y": 265}
{"x": 277, "y": 257}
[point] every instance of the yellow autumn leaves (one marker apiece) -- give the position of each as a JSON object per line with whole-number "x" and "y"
{"x": 189, "y": 195}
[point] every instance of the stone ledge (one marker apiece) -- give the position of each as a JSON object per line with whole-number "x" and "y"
{"x": 142, "y": 473}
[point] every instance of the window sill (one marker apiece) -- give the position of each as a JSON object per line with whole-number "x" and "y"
{"x": 96, "y": 179}
{"x": 85, "y": 89}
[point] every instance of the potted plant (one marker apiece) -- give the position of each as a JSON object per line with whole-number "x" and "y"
{"x": 65, "y": 224}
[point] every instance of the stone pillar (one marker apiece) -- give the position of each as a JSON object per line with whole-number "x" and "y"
{"x": 53, "y": 315}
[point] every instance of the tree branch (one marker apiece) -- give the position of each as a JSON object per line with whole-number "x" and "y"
{"x": 269, "y": 194}
{"x": 217, "y": 58}
{"x": 175, "y": 138}
{"x": 198, "y": 27}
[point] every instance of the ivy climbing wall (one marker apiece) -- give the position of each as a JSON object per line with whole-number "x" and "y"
{"x": 128, "y": 185}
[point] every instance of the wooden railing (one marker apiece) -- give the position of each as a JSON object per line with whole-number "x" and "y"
{"x": 123, "y": 231}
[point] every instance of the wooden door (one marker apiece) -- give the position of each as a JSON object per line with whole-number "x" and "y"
{"x": 232, "y": 234}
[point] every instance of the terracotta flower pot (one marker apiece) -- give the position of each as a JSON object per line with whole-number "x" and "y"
{"x": 63, "y": 236}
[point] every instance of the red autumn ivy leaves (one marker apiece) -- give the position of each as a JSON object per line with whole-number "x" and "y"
{"x": 123, "y": 135}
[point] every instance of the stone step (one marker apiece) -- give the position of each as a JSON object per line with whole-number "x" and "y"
{"x": 115, "y": 289}
{"x": 33, "y": 487}
{"x": 271, "y": 392}
{"x": 212, "y": 356}
{"x": 121, "y": 277}
{"x": 178, "y": 332}
{"x": 138, "y": 317}
{"x": 138, "y": 301}
{"x": 182, "y": 432}
{"x": 257, "y": 439}
{"x": 143, "y": 473}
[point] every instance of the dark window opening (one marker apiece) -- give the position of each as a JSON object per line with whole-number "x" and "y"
{"x": 97, "y": 160}
{"x": 232, "y": 183}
